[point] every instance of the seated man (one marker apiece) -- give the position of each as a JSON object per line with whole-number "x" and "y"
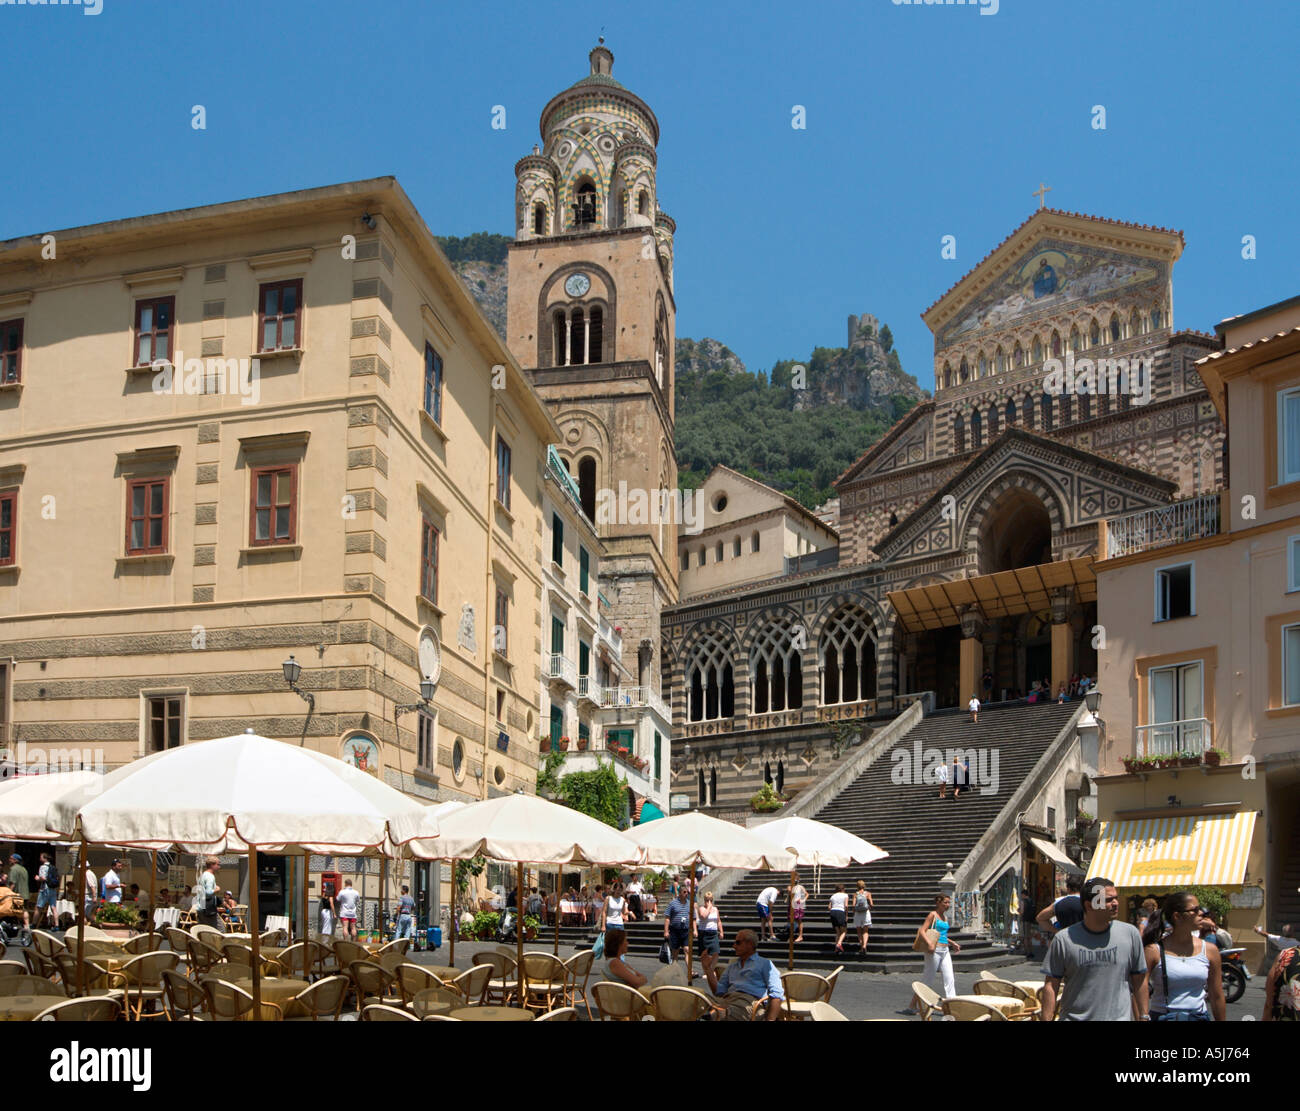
{"x": 746, "y": 980}
{"x": 12, "y": 906}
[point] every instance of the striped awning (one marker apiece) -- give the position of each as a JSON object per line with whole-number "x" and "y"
{"x": 1145, "y": 853}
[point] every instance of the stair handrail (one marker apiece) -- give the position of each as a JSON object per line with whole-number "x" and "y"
{"x": 814, "y": 798}
{"x": 1048, "y": 764}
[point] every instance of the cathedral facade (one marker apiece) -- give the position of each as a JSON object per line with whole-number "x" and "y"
{"x": 1064, "y": 397}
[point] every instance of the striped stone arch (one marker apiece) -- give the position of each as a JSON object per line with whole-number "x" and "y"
{"x": 832, "y": 605}
{"x": 759, "y": 622}
{"x": 1014, "y": 479}
{"x": 698, "y": 632}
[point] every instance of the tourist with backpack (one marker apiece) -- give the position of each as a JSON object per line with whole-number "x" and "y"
{"x": 47, "y": 892}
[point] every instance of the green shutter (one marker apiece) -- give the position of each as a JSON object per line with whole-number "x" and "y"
{"x": 583, "y": 570}
{"x": 658, "y": 753}
{"x": 557, "y": 540}
{"x": 584, "y": 733}
{"x": 584, "y": 658}
{"x": 557, "y": 726}
{"x": 557, "y": 635}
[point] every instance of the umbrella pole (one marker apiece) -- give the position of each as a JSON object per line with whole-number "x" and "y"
{"x": 254, "y": 919}
{"x": 84, "y": 861}
{"x": 789, "y": 926}
{"x": 153, "y": 873}
{"x": 453, "y": 919}
{"x": 383, "y": 895}
{"x": 519, "y": 931}
{"x": 306, "y": 916}
{"x": 689, "y": 931}
{"x": 558, "y": 879}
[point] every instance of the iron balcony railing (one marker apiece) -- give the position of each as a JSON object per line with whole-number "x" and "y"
{"x": 1170, "y": 738}
{"x": 1177, "y": 523}
{"x": 563, "y": 670}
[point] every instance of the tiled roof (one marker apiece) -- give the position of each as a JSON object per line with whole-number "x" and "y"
{"x": 1247, "y": 346}
{"x": 1051, "y": 212}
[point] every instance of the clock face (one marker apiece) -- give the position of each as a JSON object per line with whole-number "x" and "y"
{"x": 430, "y": 656}
{"x": 576, "y": 285}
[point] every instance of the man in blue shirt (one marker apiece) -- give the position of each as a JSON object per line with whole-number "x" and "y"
{"x": 677, "y": 921}
{"x": 746, "y": 980}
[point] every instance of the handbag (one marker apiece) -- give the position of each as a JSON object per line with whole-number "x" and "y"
{"x": 598, "y": 950}
{"x": 919, "y": 945}
{"x": 665, "y": 954}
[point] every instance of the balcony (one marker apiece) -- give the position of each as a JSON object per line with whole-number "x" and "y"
{"x": 588, "y": 691}
{"x": 1192, "y": 737}
{"x": 563, "y": 672}
{"x": 1163, "y": 526}
{"x": 636, "y": 697}
{"x": 613, "y": 637}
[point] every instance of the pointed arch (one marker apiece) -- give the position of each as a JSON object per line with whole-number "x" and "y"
{"x": 847, "y": 656}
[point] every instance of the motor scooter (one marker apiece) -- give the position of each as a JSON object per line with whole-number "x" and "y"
{"x": 1235, "y": 973}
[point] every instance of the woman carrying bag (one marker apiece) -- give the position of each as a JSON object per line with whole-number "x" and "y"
{"x": 932, "y": 940}
{"x": 1185, "y": 972}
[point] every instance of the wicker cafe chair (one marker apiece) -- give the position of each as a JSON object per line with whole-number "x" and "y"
{"x": 412, "y": 978}
{"x": 47, "y": 945}
{"x": 678, "y": 1004}
{"x": 143, "y": 976}
{"x": 200, "y": 957}
{"x": 378, "y": 1012}
{"x": 501, "y": 989}
{"x": 435, "y": 997}
{"x": 184, "y": 999}
{"x": 928, "y": 999}
{"x": 237, "y": 952}
{"x": 97, "y": 1009}
{"x": 824, "y": 1012}
{"x": 271, "y": 937}
{"x": 967, "y": 1010}
{"x": 618, "y": 1002}
{"x": 390, "y": 961}
{"x": 400, "y": 945}
{"x": 323, "y": 999}
{"x": 297, "y": 960}
{"x": 210, "y": 934}
{"x": 345, "y": 952}
{"x": 560, "y": 1014}
{"x": 144, "y": 943}
{"x": 832, "y": 980}
{"x": 473, "y": 984}
{"x": 1030, "y": 1008}
{"x": 374, "y": 983}
{"x": 99, "y": 981}
{"x": 988, "y": 974}
{"x": 802, "y": 990}
{"x": 13, "y": 968}
{"x": 579, "y": 966}
{"x": 544, "y": 979}
{"x": 177, "y": 938}
{"x": 227, "y": 1002}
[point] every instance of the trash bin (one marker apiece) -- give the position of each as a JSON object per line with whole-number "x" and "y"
{"x": 433, "y": 937}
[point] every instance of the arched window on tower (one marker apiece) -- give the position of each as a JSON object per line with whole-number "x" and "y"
{"x": 1056, "y": 345}
{"x": 1000, "y": 360}
{"x": 958, "y": 433}
{"x": 539, "y": 219}
{"x": 577, "y": 338}
{"x": 993, "y": 422}
{"x": 1134, "y": 324}
{"x": 1027, "y": 410}
{"x": 560, "y": 326}
{"x": 975, "y": 432}
{"x": 595, "y": 347}
{"x": 1018, "y": 355}
{"x": 661, "y": 343}
{"x": 1116, "y": 329}
{"x": 848, "y": 657}
{"x": 965, "y": 370}
{"x": 1094, "y": 333}
{"x": 1010, "y": 412}
{"x": 1045, "y": 408}
{"x": 776, "y": 667}
{"x": 709, "y": 679}
{"x": 1076, "y": 341}
{"x": 642, "y": 203}
{"x": 584, "y": 208}
{"x": 1038, "y": 350}
{"x": 587, "y": 485}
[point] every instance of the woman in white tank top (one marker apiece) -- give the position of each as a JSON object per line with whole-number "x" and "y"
{"x": 612, "y": 912}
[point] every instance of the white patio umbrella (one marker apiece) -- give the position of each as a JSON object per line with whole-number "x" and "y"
{"x": 816, "y": 844}
{"x": 681, "y": 841}
{"x": 524, "y": 829}
{"x": 25, "y": 799}
{"x": 242, "y": 792}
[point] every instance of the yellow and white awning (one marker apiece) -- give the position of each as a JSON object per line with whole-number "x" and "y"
{"x": 1055, "y": 855}
{"x": 1209, "y": 850}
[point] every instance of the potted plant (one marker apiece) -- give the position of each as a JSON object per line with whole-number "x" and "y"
{"x": 485, "y": 925}
{"x": 1132, "y": 764}
{"x": 544, "y": 744}
{"x": 564, "y": 744}
{"x": 531, "y": 925}
{"x": 583, "y": 742}
{"x": 1214, "y": 756}
{"x": 766, "y": 800}
{"x": 117, "y": 919}
{"x": 1083, "y": 821}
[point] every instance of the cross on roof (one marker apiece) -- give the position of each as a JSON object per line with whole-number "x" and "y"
{"x": 1041, "y": 193}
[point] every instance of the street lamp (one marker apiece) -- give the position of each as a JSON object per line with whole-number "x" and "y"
{"x": 292, "y": 670}
{"x": 427, "y": 689}
{"x": 1092, "y": 697}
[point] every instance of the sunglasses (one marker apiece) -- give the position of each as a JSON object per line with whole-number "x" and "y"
{"x": 1194, "y": 910}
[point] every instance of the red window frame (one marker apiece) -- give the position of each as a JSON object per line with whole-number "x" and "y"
{"x": 147, "y": 516}
{"x": 280, "y": 316}
{"x": 428, "y": 560}
{"x": 283, "y": 472}
{"x": 11, "y": 352}
{"x": 153, "y": 331}
{"x": 9, "y": 532}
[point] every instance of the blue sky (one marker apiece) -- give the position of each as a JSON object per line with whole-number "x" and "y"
{"x": 922, "y": 122}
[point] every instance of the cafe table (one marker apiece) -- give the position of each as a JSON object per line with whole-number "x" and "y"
{"x": 433, "y": 1001}
{"x": 24, "y": 1008}
{"x": 492, "y": 1014}
{"x": 279, "y": 990}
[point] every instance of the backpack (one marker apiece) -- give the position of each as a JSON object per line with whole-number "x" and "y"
{"x": 52, "y": 877}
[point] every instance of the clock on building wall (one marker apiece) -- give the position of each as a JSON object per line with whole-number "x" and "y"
{"x": 430, "y": 656}
{"x": 576, "y": 285}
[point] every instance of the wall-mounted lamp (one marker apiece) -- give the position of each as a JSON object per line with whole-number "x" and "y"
{"x": 369, "y": 221}
{"x": 427, "y": 689}
{"x": 292, "y": 670}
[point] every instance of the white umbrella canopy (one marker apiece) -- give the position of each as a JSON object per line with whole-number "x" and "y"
{"x": 25, "y": 799}
{"x": 689, "y": 839}
{"x": 224, "y": 795}
{"x": 818, "y": 843}
{"x": 525, "y": 829}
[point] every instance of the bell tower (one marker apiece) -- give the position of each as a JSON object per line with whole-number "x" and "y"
{"x": 591, "y": 317}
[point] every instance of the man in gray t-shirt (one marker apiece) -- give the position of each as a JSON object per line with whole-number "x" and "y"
{"x": 1100, "y": 960}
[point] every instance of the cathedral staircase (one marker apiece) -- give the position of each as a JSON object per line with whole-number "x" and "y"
{"x": 922, "y": 833}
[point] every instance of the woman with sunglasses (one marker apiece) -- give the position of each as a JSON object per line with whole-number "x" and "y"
{"x": 1185, "y": 972}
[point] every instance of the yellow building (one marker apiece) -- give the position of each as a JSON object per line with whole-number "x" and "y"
{"x": 270, "y": 429}
{"x": 1200, "y": 673}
